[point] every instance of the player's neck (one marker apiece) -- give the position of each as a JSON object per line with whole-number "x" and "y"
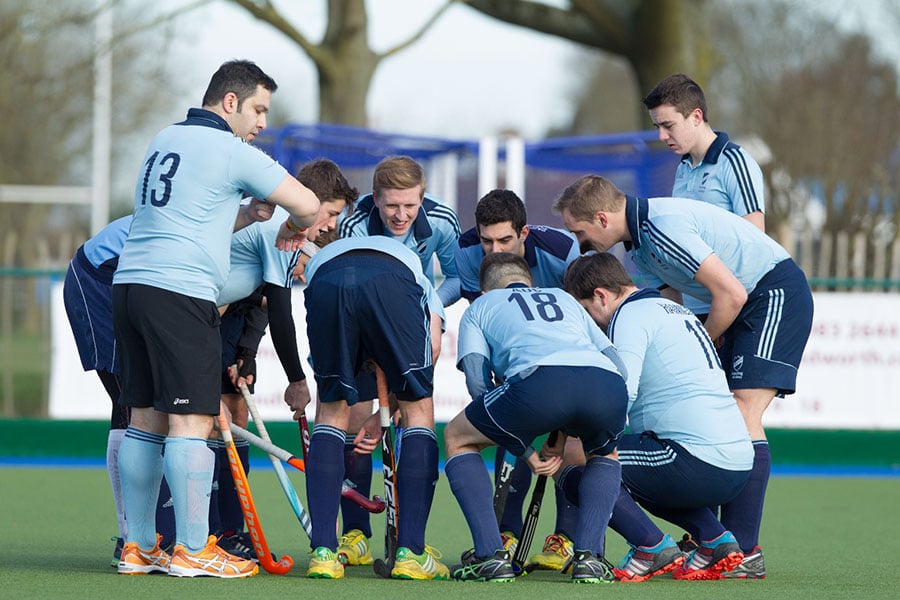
{"x": 705, "y": 138}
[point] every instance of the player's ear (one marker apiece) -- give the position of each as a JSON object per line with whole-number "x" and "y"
{"x": 524, "y": 232}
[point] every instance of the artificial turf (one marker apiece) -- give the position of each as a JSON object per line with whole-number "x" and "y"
{"x": 822, "y": 537}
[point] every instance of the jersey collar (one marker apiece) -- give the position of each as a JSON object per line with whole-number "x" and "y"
{"x": 636, "y": 210}
{"x": 714, "y": 151}
{"x": 206, "y": 118}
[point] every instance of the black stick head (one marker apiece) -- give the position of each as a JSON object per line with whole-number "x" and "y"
{"x": 382, "y": 569}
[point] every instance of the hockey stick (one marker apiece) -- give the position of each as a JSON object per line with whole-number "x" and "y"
{"x": 251, "y": 517}
{"x": 305, "y": 436}
{"x": 384, "y": 567}
{"x": 375, "y": 505}
{"x": 504, "y": 479}
{"x": 283, "y": 479}
{"x": 531, "y": 518}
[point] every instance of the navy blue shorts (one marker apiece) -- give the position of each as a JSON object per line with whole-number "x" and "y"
{"x": 169, "y": 349}
{"x": 764, "y": 345}
{"x": 662, "y": 473}
{"x": 87, "y": 295}
{"x": 367, "y": 305}
{"x": 585, "y": 402}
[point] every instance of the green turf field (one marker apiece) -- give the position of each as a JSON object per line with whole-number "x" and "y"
{"x": 823, "y": 538}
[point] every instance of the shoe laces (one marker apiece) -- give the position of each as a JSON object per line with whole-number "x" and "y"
{"x": 351, "y": 538}
{"x": 434, "y": 552}
{"x": 556, "y": 543}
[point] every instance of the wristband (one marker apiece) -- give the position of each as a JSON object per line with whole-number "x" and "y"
{"x": 290, "y": 225}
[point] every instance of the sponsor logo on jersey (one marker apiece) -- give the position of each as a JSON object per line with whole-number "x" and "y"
{"x": 178, "y": 401}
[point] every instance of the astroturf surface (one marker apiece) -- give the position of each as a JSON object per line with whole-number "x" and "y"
{"x": 822, "y": 538}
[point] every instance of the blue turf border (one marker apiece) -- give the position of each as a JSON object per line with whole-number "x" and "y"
{"x": 264, "y": 465}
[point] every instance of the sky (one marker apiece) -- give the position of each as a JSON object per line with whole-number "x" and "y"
{"x": 468, "y": 77}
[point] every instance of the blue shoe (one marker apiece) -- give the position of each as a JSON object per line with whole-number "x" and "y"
{"x": 711, "y": 559}
{"x": 643, "y": 562}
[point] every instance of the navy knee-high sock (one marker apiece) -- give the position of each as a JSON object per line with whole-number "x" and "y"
{"x": 358, "y": 469}
{"x": 324, "y": 474}
{"x": 471, "y": 485}
{"x": 417, "y": 474}
{"x": 230, "y": 513}
{"x": 218, "y": 450}
{"x": 597, "y": 492}
{"x": 743, "y": 515}
{"x": 632, "y": 523}
{"x": 566, "y": 516}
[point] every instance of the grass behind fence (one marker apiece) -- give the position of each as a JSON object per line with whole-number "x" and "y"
{"x": 823, "y": 538}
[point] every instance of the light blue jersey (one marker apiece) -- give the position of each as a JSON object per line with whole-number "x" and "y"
{"x": 676, "y": 386}
{"x": 388, "y": 246}
{"x": 107, "y": 244}
{"x": 727, "y": 177}
{"x": 671, "y": 237}
{"x": 435, "y": 232}
{"x": 548, "y": 252}
{"x": 519, "y": 328}
{"x": 187, "y": 197}
{"x": 255, "y": 259}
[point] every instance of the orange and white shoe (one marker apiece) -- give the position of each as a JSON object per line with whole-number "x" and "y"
{"x": 135, "y": 561}
{"x": 212, "y": 561}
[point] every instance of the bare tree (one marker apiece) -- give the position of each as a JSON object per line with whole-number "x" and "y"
{"x": 46, "y": 72}
{"x": 344, "y": 62}
{"x": 655, "y": 37}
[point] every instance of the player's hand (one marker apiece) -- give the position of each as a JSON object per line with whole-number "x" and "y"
{"x": 557, "y": 449}
{"x": 296, "y": 396}
{"x": 260, "y": 210}
{"x": 548, "y": 466}
{"x": 299, "y": 272}
{"x": 290, "y": 239}
{"x": 369, "y": 435}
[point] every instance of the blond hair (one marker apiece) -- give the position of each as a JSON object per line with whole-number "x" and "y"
{"x": 589, "y": 194}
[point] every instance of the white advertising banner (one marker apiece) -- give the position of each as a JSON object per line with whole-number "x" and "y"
{"x": 848, "y": 378}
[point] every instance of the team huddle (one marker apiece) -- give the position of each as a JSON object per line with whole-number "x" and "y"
{"x": 633, "y": 400}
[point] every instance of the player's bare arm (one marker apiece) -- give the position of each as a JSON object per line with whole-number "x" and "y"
{"x": 758, "y": 219}
{"x": 303, "y": 205}
{"x": 728, "y": 294}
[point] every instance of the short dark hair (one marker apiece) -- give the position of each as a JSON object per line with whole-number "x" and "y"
{"x": 680, "y": 91}
{"x": 500, "y": 269}
{"x": 327, "y": 182}
{"x": 592, "y": 271}
{"x": 500, "y": 206}
{"x": 239, "y": 76}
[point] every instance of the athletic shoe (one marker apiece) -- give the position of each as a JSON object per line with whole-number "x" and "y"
{"x": 117, "y": 551}
{"x": 135, "y": 561}
{"x": 238, "y": 544}
{"x": 643, "y": 562}
{"x": 409, "y": 565}
{"x": 353, "y": 549}
{"x": 711, "y": 559}
{"x": 558, "y": 551}
{"x": 212, "y": 561}
{"x": 496, "y": 568}
{"x": 324, "y": 564}
{"x": 510, "y": 542}
{"x": 587, "y": 568}
{"x": 752, "y": 567}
